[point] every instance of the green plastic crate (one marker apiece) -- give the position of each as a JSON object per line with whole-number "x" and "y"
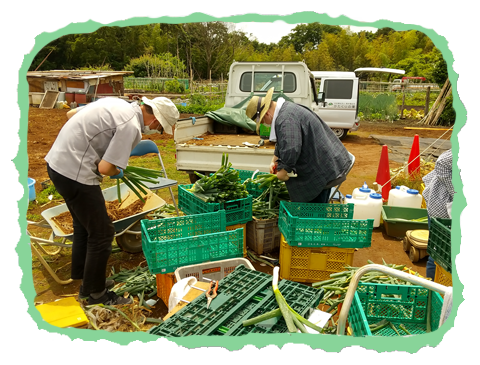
{"x": 399, "y": 304}
{"x": 253, "y": 189}
{"x": 179, "y": 241}
{"x": 440, "y": 242}
{"x": 396, "y": 220}
{"x": 317, "y": 225}
{"x": 242, "y": 294}
{"x": 237, "y": 211}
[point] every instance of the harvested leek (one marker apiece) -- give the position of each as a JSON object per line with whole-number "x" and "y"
{"x": 224, "y": 185}
{"x": 402, "y": 327}
{"x": 266, "y": 205}
{"x": 134, "y": 178}
{"x": 293, "y": 320}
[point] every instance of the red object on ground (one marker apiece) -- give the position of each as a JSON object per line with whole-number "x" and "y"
{"x": 414, "y": 159}
{"x": 383, "y": 173}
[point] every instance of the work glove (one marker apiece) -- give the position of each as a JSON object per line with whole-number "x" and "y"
{"x": 119, "y": 175}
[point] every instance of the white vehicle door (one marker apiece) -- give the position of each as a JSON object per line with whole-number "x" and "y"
{"x": 339, "y": 109}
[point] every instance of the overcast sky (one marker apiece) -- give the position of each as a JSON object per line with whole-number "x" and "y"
{"x": 273, "y": 32}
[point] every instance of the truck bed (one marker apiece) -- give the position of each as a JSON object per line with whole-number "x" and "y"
{"x": 209, "y": 139}
{"x": 199, "y": 148}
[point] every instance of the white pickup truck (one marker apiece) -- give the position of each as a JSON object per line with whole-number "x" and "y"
{"x": 200, "y": 142}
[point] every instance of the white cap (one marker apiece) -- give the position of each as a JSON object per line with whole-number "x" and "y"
{"x": 165, "y": 111}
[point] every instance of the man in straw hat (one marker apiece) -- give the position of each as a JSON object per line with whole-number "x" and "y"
{"x": 305, "y": 145}
{"x": 97, "y": 140}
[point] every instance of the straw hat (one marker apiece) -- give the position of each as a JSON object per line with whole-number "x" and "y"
{"x": 165, "y": 111}
{"x": 258, "y": 106}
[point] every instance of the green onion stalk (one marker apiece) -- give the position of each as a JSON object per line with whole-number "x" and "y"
{"x": 135, "y": 178}
{"x": 293, "y": 320}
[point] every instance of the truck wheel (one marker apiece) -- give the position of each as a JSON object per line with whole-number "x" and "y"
{"x": 340, "y": 133}
{"x": 193, "y": 177}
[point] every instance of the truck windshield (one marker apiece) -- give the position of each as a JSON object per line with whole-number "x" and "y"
{"x": 338, "y": 89}
{"x": 266, "y": 80}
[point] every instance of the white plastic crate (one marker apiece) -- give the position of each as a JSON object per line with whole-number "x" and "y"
{"x": 215, "y": 270}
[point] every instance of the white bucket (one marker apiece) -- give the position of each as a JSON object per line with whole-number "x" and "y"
{"x": 367, "y": 207}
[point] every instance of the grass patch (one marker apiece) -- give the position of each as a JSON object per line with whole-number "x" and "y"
{"x": 34, "y": 217}
{"x": 400, "y": 176}
{"x": 42, "y": 197}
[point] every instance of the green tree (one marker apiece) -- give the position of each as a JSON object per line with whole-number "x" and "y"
{"x": 113, "y": 45}
{"x": 209, "y": 47}
{"x": 440, "y": 70}
{"x": 57, "y": 54}
{"x": 320, "y": 59}
{"x": 164, "y": 65}
{"x": 304, "y": 34}
{"x": 360, "y": 50}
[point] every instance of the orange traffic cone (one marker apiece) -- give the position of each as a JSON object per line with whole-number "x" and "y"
{"x": 383, "y": 173}
{"x": 414, "y": 159}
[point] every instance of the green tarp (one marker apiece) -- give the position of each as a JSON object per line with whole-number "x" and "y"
{"x": 236, "y": 115}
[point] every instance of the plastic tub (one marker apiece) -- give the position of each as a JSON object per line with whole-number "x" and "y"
{"x": 31, "y": 189}
{"x": 398, "y": 220}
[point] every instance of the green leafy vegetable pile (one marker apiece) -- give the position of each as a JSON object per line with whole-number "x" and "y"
{"x": 222, "y": 186}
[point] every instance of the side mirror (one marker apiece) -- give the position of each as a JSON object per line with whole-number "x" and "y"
{"x": 321, "y": 96}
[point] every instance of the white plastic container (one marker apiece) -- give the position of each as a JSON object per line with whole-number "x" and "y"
{"x": 396, "y": 193}
{"x": 402, "y": 196}
{"x": 364, "y": 191}
{"x": 367, "y": 207}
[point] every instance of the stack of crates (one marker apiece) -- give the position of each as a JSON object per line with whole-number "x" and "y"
{"x": 319, "y": 239}
{"x": 263, "y": 235}
{"x": 242, "y": 295}
{"x": 440, "y": 249}
{"x": 174, "y": 242}
{"x": 238, "y": 212}
{"x": 405, "y": 305}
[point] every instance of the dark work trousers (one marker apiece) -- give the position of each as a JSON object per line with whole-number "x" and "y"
{"x": 93, "y": 230}
{"x": 322, "y": 197}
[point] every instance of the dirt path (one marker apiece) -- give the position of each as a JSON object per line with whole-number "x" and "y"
{"x": 44, "y": 126}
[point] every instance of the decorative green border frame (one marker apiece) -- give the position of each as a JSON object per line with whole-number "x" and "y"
{"x": 328, "y": 343}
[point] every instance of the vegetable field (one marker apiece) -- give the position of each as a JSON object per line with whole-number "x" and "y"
{"x": 45, "y": 124}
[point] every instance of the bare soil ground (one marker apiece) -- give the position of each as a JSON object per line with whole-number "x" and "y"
{"x": 44, "y": 126}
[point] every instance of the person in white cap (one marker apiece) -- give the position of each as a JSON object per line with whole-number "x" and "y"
{"x": 97, "y": 140}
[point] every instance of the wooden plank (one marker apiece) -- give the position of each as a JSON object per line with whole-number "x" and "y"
{"x": 429, "y": 129}
{"x": 75, "y": 84}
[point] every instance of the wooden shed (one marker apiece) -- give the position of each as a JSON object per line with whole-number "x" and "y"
{"x": 82, "y": 86}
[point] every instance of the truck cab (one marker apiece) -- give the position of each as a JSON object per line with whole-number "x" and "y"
{"x": 332, "y": 95}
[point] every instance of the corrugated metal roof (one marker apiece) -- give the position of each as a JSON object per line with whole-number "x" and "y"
{"x": 76, "y": 74}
